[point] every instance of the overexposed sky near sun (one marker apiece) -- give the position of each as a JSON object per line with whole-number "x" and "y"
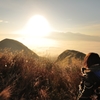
{"x": 17, "y": 21}
{"x": 63, "y": 15}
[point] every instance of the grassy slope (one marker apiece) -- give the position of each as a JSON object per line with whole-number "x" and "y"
{"x": 26, "y": 78}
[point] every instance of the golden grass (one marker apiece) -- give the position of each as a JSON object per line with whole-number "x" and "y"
{"x": 26, "y": 78}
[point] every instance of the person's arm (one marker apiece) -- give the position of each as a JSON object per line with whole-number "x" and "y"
{"x": 85, "y": 87}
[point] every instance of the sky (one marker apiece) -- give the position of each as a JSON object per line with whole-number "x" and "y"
{"x": 49, "y": 27}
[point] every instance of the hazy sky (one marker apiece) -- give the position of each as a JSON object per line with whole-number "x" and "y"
{"x": 75, "y": 16}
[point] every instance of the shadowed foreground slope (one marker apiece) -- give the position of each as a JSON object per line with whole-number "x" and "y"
{"x": 24, "y": 78}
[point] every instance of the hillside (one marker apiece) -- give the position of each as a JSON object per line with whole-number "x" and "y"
{"x": 23, "y": 78}
{"x": 14, "y": 45}
{"x": 70, "y": 56}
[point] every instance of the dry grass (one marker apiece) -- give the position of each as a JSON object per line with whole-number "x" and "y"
{"x": 26, "y": 78}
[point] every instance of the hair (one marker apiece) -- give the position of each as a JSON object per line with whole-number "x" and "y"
{"x": 91, "y": 59}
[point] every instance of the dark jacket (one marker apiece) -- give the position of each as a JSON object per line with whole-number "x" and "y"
{"x": 90, "y": 83}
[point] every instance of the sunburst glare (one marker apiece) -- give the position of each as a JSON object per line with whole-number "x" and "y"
{"x": 37, "y": 26}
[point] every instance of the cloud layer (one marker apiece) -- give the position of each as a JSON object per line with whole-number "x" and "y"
{"x": 3, "y": 21}
{"x": 72, "y": 36}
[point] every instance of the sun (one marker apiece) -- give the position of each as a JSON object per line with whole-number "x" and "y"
{"x": 34, "y": 33}
{"x": 37, "y": 26}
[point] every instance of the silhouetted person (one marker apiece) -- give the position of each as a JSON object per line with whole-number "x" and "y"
{"x": 89, "y": 86}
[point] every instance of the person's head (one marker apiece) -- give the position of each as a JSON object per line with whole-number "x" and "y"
{"x": 91, "y": 59}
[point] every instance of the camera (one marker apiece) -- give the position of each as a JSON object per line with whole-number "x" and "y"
{"x": 83, "y": 70}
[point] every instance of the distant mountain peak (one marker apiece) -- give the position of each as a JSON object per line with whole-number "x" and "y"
{"x": 15, "y": 45}
{"x": 70, "y": 54}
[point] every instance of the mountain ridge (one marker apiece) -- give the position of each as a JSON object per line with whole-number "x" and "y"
{"x": 73, "y": 36}
{"x": 70, "y": 57}
{"x": 71, "y": 53}
{"x": 15, "y": 45}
